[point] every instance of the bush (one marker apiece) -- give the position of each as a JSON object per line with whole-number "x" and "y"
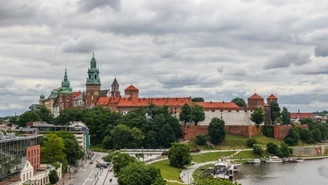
{"x": 250, "y": 142}
{"x": 201, "y": 139}
{"x": 292, "y": 137}
{"x": 273, "y": 149}
{"x": 216, "y": 131}
{"x": 285, "y": 151}
{"x": 257, "y": 149}
{"x": 316, "y": 134}
{"x": 305, "y": 135}
{"x": 267, "y": 130}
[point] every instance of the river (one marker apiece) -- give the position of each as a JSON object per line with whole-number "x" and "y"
{"x": 310, "y": 172}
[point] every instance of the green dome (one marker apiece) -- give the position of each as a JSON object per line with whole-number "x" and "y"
{"x": 42, "y": 97}
{"x": 54, "y": 94}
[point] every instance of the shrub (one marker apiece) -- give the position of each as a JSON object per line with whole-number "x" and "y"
{"x": 316, "y": 134}
{"x": 305, "y": 135}
{"x": 273, "y": 149}
{"x": 267, "y": 130}
{"x": 285, "y": 151}
{"x": 250, "y": 142}
{"x": 292, "y": 137}
{"x": 201, "y": 139}
{"x": 257, "y": 149}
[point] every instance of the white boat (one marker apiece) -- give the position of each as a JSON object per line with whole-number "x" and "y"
{"x": 299, "y": 160}
{"x": 254, "y": 161}
{"x": 273, "y": 159}
{"x": 223, "y": 169}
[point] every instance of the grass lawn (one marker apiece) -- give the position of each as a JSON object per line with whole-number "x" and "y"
{"x": 246, "y": 155}
{"x": 212, "y": 156}
{"x": 167, "y": 171}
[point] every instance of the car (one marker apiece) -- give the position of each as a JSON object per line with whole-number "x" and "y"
{"x": 91, "y": 162}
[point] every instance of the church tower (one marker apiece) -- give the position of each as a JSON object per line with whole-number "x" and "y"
{"x": 92, "y": 84}
{"x": 115, "y": 89}
{"x": 65, "y": 94}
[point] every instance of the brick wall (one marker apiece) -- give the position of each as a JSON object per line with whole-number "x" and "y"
{"x": 192, "y": 131}
{"x": 33, "y": 155}
{"x": 244, "y": 130}
{"x": 280, "y": 131}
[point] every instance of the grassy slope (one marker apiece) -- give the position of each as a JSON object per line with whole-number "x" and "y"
{"x": 167, "y": 171}
{"x": 213, "y": 156}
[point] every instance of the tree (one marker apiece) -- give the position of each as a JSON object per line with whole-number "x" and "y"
{"x": 53, "y": 177}
{"x": 121, "y": 160}
{"x": 138, "y": 173}
{"x": 216, "y": 130}
{"x": 166, "y": 136}
{"x": 201, "y": 139}
{"x": 275, "y": 111}
{"x": 185, "y": 114}
{"x": 273, "y": 149}
{"x": 108, "y": 142}
{"x": 26, "y": 117}
{"x": 292, "y": 137}
{"x": 257, "y": 116}
{"x": 52, "y": 150}
{"x": 284, "y": 150}
{"x": 323, "y": 130}
{"x": 316, "y": 134}
{"x": 197, "y": 99}
{"x": 285, "y": 116}
{"x": 125, "y": 137}
{"x": 179, "y": 155}
{"x": 150, "y": 140}
{"x": 45, "y": 114}
{"x": 250, "y": 142}
{"x": 305, "y": 135}
{"x": 68, "y": 115}
{"x": 197, "y": 113}
{"x": 239, "y": 102}
{"x": 258, "y": 150}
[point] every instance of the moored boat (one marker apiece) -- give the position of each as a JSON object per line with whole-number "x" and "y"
{"x": 254, "y": 161}
{"x": 224, "y": 169}
{"x": 273, "y": 159}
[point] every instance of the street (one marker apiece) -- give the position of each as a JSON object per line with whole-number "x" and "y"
{"x": 88, "y": 174}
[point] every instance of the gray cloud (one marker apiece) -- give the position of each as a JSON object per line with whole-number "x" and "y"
{"x": 87, "y": 5}
{"x": 287, "y": 59}
{"x": 168, "y": 54}
{"x": 80, "y": 45}
{"x": 321, "y": 50}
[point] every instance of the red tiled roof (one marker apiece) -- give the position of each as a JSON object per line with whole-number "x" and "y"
{"x": 131, "y": 88}
{"x": 272, "y": 97}
{"x": 301, "y": 115}
{"x": 76, "y": 94}
{"x": 144, "y": 102}
{"x": 103, "y": 101}
{"x": 255, "y": 96}
{"x": 266, "y": 105}
{"x": 218, "y": 105}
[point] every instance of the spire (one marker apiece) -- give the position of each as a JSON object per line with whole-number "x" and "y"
{"x": 93, "y": 72}
{"x": 66, "y": 86}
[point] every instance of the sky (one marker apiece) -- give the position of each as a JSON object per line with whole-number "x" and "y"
{"x": 217, "y": 50}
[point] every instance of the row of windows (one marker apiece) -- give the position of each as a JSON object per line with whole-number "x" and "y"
{"x": 33, "y": 153}
{"x": 230, "y": 110}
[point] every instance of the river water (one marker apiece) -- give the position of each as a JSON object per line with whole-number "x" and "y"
{"x": 310, "y": 172}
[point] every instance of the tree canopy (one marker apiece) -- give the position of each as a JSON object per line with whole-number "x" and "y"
{"x": 275, "y": 111}
{"x": 257, "y": 116}
{"x": 185, "y": 114}
{"x": 216, "y": 130}
{"x": 292, "y": 137}
{"x": 285, "y": 116}
{"x": 121, "y": 160}
{"x": 53, "y": 177}
{"x": 28, "y": 116}
{"x": 179, "y": 155}
{"x": 239, "y": 102}
{"x": 197, "y": 113}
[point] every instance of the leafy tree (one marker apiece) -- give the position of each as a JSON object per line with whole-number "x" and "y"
{"x": 108, "y": 142}
{"x": 275, "y": 111}
{"x": 45, "y": 114}
{"x": 52, "y": 150}
{"x": 121, "y": 160}
{"x": 34, "y": 107}
{"x": 138, "y": 173}
{"x": 292, "y": 137}
{"x": 26, "y": 117}
{"x": 124, "y": 137}
{"x": 258, "y": 150}
{"x": 284, "y": 150}
{"x": 257, "y": 116}
{"x": 13, "y": 120}
{"x": 197, "y": 99}
{"x": 201, "y": 139}
{"x": 250, "y": 142}
{"x": 179, "y": 155}
{"x": 305, "y": 135}
{"x": 68, "y": 115}
{"x": 240, "y": 102}
{"x": 267, "y": 130}
{"x": 273, "y": 149}
{"x": 285, "y": 116}
{"x": 323, "y": 130}
{"x": 316, "y": 134}
{"x": 197, "y": 113}
{"x": 53, "y": 177}
{"x": 310, "y": 122}
{"x": 166, "y": 136}
{"x": 185, "y": 114}
{"x": 213, "y": 181}
{"x": 216, "y": 130}
{"x": 150, "y": 140}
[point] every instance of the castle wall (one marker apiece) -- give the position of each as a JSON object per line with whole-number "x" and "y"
{"x": 230, "y": 117}
{"x": 280, "y": 131}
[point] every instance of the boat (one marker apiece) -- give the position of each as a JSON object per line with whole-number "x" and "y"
{"x": 223, "y": 169}
{"x": 293, "y": 160}
{"x": 254, "y": 161}
{"x": 273, "y": 159}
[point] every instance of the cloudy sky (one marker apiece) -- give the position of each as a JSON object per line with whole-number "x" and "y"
{"x": 213, "y": 49}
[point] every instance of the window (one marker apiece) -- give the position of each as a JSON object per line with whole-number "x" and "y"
{"x": 229, "y": 110}
{"x": 212, "y": 110}
{"x": 221, "y": 110}
{"x": 245, "y": 110}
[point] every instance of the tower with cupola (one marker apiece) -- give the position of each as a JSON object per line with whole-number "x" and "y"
{"x": 115, "y": 93}
{"x": 65, "y": 94}
{"x": 92, "y": 84}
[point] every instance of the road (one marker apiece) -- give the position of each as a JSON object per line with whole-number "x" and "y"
{"x": 88, "y": 174}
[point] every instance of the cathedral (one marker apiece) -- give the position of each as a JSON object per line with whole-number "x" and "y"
{"x": 64, "y": 97}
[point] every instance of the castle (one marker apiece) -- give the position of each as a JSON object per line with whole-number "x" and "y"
{"x": 64, "y": 97}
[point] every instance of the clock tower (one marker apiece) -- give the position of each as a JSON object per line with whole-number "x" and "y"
{"x": 92, "y": 84}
